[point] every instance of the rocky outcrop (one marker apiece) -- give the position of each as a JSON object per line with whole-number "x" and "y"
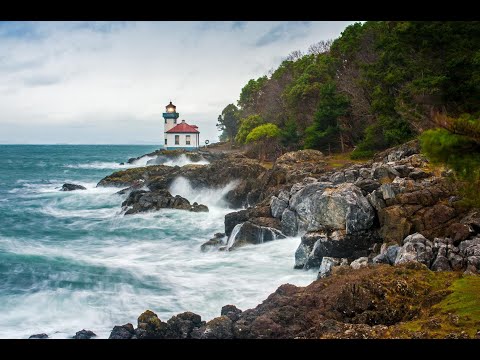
{"x": 142, "y": 201}
{"x": 84, "y": 334}
{"x": 72, "y": 187}
{"x": 234, "y": 168}
{"x": 39, "y": 336}
{"x": 159, "y": 157}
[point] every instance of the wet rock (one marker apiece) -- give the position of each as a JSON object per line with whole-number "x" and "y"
{"x": 122, "y": 332}
{"x": 213, "y": 243}
{"x": 326, "y": 266}
{"x": 359, "y": 263}
{"x": 289, "y": 223}
{"x": 139, "y": 201}
{"x": 416, "y": 248}
{"x": 84, "y": 334}
{"x": 250, "y": 233}
{"x": 231, "y": 311}
{"x": 72, "y": 187}
{"x": 233, "y": 219}
{"x": 39, "y": 336}
{"x": 150, "y": 326}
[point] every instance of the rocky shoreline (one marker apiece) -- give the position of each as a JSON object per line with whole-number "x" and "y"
{"x": 377, "y": 232}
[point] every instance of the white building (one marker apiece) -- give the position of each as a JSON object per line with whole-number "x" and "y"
{"x": 179, "y": 136}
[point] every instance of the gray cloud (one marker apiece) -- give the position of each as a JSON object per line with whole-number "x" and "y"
{"x": 42, "y": 80}
{"x": 283, "y": 32}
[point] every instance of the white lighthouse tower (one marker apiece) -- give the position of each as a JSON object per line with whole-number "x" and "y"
{"x": 170, "y": 117}
{"x": 181, "y": 135}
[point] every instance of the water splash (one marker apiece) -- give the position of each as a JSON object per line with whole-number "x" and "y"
{"x": 212, "y": 197}
{"x": 233, "y": 235}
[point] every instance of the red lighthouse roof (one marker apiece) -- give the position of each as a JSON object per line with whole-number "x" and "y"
{"x": 183, "y": 127}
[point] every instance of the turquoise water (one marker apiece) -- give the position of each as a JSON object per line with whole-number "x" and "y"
{"x": 71, "y": 260}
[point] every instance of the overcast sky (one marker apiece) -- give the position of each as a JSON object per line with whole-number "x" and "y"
{"x": 109, "y": 82}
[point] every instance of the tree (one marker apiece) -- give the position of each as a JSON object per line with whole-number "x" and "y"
{"x": 228, "y": 122}
{"x": 246, "y": 125}
{"x": 265, "y": 136}
{"x": 457, "y": 145}
{"x": 250, "y": 94}
{"x": 324, "y": 134}
{"x": 289, "y": 136}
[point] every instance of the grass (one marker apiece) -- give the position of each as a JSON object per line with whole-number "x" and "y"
{"x": 457, "y": 312}
{"x": 340, "y": 160}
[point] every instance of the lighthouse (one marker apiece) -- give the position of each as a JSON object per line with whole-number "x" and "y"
{"x": 179, "y": 135}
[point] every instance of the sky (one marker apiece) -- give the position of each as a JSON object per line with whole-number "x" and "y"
{"x": 109, "y": 82}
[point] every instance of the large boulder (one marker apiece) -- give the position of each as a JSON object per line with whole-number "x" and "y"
{"x": 84, "y": 334}
{"x": 326, "y": 266}
{"x": 122, "y": 332}
{"x": 322, "y": 206}
{"x": 181, "y": 326}
{"x": 150, "y": 326}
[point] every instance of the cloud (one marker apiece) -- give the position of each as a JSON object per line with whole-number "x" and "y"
{"x": 283, "y": 32}
{"x": 116, "y": 78}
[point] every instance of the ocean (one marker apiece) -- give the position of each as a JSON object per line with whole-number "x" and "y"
{"x": 71, "y": 261}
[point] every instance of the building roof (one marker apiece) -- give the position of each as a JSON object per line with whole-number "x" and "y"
{"x": 183, "y": 127}
{"x": 170, "y": 105}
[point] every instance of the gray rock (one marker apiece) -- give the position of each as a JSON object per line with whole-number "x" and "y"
{"x": 301, "y": 255}
{"x": 457, "y": 262}
{"x": 84, "y": 334}
{"x": 403, "y": 170}
{"x": 473, "y": 264}
{"x": 289, "y": 223}
{"x": 415, "y": 248}
{"x": 72, "y": 187}
{"x": 277, "y": 207}
{"x": 213, "y": 243}
{"x": 181, "y": 326}
{"x": 39, "y": 336}
{"x": 285, "y": 195}
{"x": 367, "y": 185}
{"x": 351, "y": 175}
{"x": 376, "y": 200}
{"x": 359, "y": 263}
{"x": 343, "y": 207}
{"x": 388, "y": 191}
{"x": 365, "y": 173}
{"x": 385, "y": 171}
{"x": 326, "y": 266}
{"x": 338, "y": 178}
{"x": 122, "y": 332}
{"x": 441, "y": 263}
{"x": 219, "y": 328}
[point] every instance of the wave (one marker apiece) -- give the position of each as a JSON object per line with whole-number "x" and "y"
{"x": 98, "y": 165}
{"x": 183, "y": 160}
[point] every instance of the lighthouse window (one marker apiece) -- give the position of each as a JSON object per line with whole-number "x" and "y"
{"x": 177, "y": 139}
{"x": 187, "y": 139}
{"x": 165, "y": 141}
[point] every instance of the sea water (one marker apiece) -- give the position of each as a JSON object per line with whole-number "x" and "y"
{"x": 72, "y": 260}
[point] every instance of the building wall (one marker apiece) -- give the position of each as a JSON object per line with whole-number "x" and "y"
{"x": 194, "y": 138}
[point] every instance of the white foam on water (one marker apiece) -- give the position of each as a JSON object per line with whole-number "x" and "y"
{"x": 125, "y": 265}
{"x": 183, "y": 160}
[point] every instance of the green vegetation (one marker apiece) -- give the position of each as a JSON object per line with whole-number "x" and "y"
{"x": 375, "y": 86}
{"x": 263, "y": 133}
{"x": 457, "y": 145}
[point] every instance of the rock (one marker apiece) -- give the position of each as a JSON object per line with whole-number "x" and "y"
{"x": 231, "y": 311}
{"x": 376, "y": 200}
{"x": 84, "y": 334}
{"x": 39, "y": 336}
{"x": 289, "y": 223}
{"x": 351, "y": 175}
{"x": 182, "y": 325}
{"x": 72, "y": 187}
{"x": 359, "y": 263}
{"x": 419, "y": 174}
{"x": 338, "y": 178}
{"x": 344, "y": 208}
{"x": 394, "y": 224}
{"x": 367, "y": 185}
{"x": 326, "y": 266}
{"x": 233, "y": 219}
{"x": 403, "y": 170}
{"x": 458, "y": 232}
{"x": 250, "y": 233}
{"x": 213, "y": 243}
{"x": 387, "y": 191}
{"x": 122, "y": 332}
{"x": 219, "y": 328}
{"x": 308, "y": 155}
{"x": 335, "y": 244}
{"x": 383, "y": 172}
{"x": 441, "y": 263}
{"x": 473, "y": 220}
{"x": 277, "y": 206}
{"x": 416, "y": 248}
{"x": 142, "y": 201}
{"x": 150, "y": 326}
{"x": 301, "y": 255}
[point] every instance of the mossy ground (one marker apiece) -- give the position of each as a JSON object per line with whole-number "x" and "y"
{"x": 341, "y": 160}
